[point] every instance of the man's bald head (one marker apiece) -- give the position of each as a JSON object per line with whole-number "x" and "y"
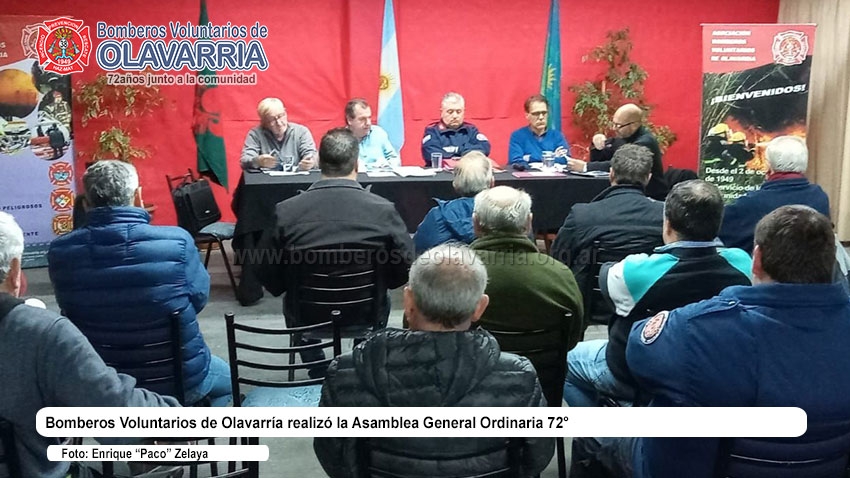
{"x": 627, "y": 119}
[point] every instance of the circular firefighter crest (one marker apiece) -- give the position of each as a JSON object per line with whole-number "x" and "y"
{"x": 63, "y": 45}
{"x": 790, "y": 47}
{"x": 653, "y": 327}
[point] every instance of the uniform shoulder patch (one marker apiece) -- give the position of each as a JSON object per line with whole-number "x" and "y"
{"x": 653, "y": 327}
{"x": 480, "y": 137}
{"x": 426, "y": 138}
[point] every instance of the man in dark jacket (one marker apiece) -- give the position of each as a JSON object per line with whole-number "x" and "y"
{"x": 439, "y": 362}
{"x": 46, "y": 362}
{"x": 621, "y": 218}
{"x": 687, "y": 269}
{"x": 452, "y": 220}
{"x": 628, "y": 125}
{"x": 451, "y": 136}
{"x": 119, "y": 272}
{"x": 335, "y": 211}
{"x": 787, "y": 159}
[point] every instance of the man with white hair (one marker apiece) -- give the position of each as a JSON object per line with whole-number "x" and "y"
{"x": 439, "y": 361}
{"x": 119, "y": 278}
{"x": 452, "y": 220}
{"x": 528, "y": 290}
{"x": 451, "y": 136}
{"x": 277, "y": 144}
{"x": 46, "y": 362}
{"x": 787, "y": 159}
{"x": 277, "y": 140}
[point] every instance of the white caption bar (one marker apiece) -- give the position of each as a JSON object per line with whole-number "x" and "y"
{"x": 158, "y": 453}
{"x": 422, "y": 422}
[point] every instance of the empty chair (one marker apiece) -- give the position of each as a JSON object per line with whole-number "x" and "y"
{"x": 256, "y": 360}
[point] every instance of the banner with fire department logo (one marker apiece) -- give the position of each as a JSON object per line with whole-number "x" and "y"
{"x": 36, "y": 139}
{"x": 755, "y": 88}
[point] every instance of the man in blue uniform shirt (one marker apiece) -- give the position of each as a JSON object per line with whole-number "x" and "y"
{"x": 528, "y": 143}
{"x": 780, "y": 343}
{"x": 451, "y": 136}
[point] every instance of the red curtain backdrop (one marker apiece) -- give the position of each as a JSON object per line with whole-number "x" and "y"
{"x": 323, "y": 52}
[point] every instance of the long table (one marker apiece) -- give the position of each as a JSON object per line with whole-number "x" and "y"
{"x": 258, "y": 193}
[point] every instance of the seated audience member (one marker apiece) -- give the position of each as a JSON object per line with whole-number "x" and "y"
{"x": 121, "y": 273}
{"x": 452, "y": 220}
{"x": 529, "y": 142}
{"x": 46, "y": 362}
{"x": 621, "y": 218}
{"x": 528, "y": 290}
{"x": 688, "y": 268}
{"x": 336, "y": 210}
{"x": 268, "y": 145}
{"x": 439, "y": 361}
{"x": 628, "y": 126}
{"x": 451, "y": 136}
{"x": 787, "y": 159}
{"x": 376, "y": 151}
{"x": 276, "y": 138}
{"x": 780, "y": 343}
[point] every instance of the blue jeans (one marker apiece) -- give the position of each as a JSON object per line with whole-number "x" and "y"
{"x": 216, "y": 385}
{"x": 588, "y": 376}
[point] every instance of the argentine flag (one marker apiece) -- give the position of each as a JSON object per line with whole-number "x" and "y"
{"x": 390, "y": 113}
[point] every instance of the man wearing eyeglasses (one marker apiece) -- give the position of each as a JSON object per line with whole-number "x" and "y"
{"x": 528, "y": 143}
{"x": 628, "y": 125}
{"x": 276, "y": 140}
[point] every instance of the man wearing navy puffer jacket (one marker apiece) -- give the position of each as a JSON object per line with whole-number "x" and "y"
{"x": 119, "y": 278}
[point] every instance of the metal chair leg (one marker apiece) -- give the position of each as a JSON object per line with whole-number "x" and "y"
{"x": 562, "y": 459}
{"x": 227, "y": 266}
{"x": 207, "y": 255}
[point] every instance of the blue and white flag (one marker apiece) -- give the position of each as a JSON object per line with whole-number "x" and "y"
{"x": 390, "y": 113}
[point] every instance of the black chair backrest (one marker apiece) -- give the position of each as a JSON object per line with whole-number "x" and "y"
{"x": 194, "y": 201}
{"x": 596, "y": 308}
{"x": 157, "y": 364}
{"x": 254, "y": 357}
{"x": 373, "y": 453}
{"x": 9, "y": 466}
{"x": 824, "y": 457}
{"x": 547, "y": 351}
{"x": 345, "y": 285}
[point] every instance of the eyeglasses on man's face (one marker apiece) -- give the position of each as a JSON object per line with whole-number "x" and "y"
{"x": 621, "y": 126}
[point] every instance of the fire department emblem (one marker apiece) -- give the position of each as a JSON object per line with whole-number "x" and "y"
{"x": 62, "y": 200}
{"x": 63, "y": 45}
{"x": 790, "y": 48}
{"x": 60, "y": 174}
{"x": 62, "y": 224}
{"x": 653, "y": 327}
{"x": 29, "y": 38}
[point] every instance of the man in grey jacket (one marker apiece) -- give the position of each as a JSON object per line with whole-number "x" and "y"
{"x": 46, "y": 362}
{"x": 439, "y": 362}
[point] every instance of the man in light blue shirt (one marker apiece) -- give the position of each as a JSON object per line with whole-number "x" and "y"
{"x": 529, "y": 142}
{"x": 376, "y": 151}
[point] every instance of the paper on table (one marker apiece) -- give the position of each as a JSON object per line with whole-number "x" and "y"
{"x": 591, "y": 174}
{"x": 405, "y": 171}
{"x": 286, "y": 173}
{"x": 380, "y": 174}
{"x": 537, "y": 174}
